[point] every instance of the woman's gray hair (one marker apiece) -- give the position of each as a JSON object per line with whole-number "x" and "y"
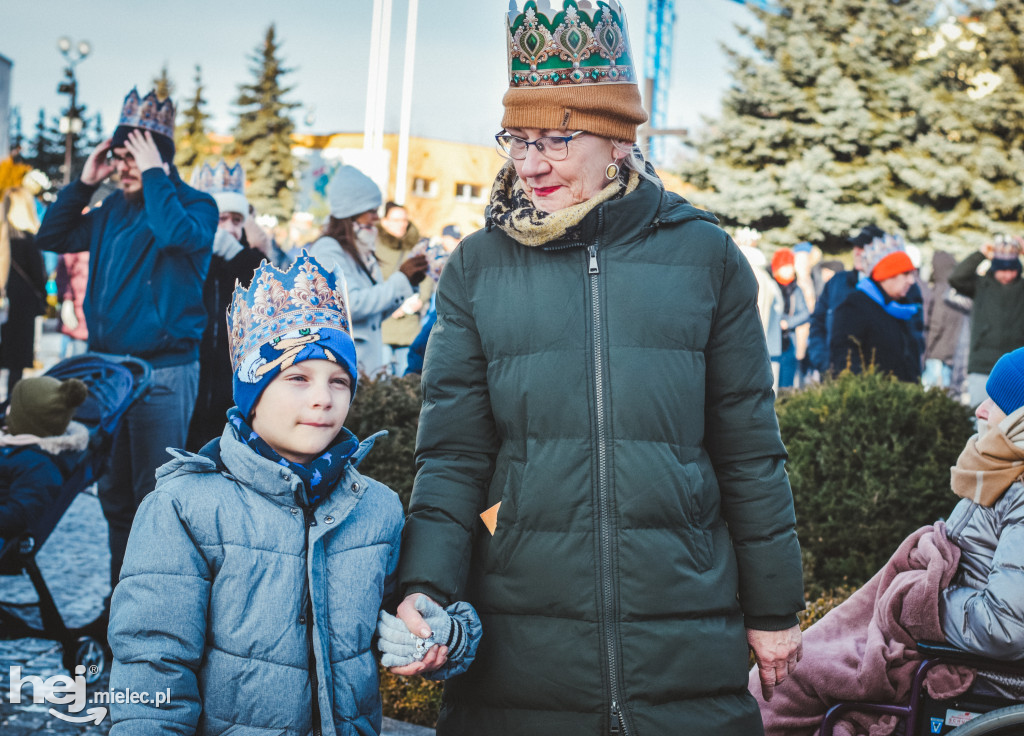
{"x": 634, "y": 161}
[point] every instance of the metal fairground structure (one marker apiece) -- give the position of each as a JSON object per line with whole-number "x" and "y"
{"x": 661, "y": 20}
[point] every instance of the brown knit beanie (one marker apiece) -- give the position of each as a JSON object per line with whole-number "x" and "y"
{"x": 43, "y": 406}
{"x": 572, "y": 69}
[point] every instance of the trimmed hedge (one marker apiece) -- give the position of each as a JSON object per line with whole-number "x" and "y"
{"x": 392, "y": 404}
{"x": 869, "y": 460}
{"x": 410, "y": 699}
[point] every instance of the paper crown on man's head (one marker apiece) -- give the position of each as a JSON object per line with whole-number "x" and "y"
{"x": 570, "y": 67}
{"x": 885, "y": 256}
{"x": 226, "y": 184}
{"x": 147, "y": 113}
{"x": 286, "y": 317}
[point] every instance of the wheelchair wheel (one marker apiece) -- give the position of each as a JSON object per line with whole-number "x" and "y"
{"x": 1004, "y": 722}
{"x": 89, "y": 653}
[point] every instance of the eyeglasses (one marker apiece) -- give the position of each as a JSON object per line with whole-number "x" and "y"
{"x": 115, "y": 158}
{"x": 553, "y": 147}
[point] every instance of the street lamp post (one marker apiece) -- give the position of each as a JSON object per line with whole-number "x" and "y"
{"x": 71, "y": 123}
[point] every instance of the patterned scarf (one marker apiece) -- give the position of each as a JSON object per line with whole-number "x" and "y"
{"x": 514, "y": 213}
{"x": 893, "y": 307}
{"x": 320, "y": 476}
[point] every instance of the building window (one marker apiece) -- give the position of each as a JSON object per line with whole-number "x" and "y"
{"x": 469, "y": 192}
{"x": 422, "y": 187}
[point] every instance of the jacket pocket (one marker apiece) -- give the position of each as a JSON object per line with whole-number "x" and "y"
{"x": 697, "y": 536}
{"x": 496, "y": 550}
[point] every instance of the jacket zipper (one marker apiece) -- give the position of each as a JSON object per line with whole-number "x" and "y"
{"x": 314, "y": 683}
{"x": 617, "y": 722}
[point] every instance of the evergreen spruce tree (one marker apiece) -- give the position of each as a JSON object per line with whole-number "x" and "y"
{"x": 163, "y": 85}
{"x": 854, "y": 112}
{"x": 46, "y": 150}
{"x": 263, "y": 133}
{"x": 192, "y": 144}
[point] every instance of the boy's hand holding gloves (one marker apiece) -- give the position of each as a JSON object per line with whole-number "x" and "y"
{"x": 456, "y": 627}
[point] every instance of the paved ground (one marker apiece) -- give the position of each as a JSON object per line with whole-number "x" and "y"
{"x": 75, "y": 562}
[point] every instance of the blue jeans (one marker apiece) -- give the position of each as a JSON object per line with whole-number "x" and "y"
{"x": 157, "y": 421}
{"x": 396, "y": 359}
{"x": 936, "y": 373}
{"x": 787, "y": 366}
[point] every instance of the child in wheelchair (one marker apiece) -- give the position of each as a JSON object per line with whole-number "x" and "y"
{"x": 961, "y": 581}
{"x": 36, "y": 444}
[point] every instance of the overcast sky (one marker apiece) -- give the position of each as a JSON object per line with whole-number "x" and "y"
{"x": 460, "y": 57}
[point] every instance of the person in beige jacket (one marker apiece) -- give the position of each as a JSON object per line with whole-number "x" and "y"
{"x": 397, "y": 239}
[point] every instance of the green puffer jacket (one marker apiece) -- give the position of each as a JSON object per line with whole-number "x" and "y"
{"x": 614, "y": 395}
{"x": 997, "y": 317}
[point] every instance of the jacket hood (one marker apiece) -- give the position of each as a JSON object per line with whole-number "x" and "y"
{"x": 268, "y": 478}
{"x": 647, "y": 208}
{"x": 943, "y": 264}
{"x": 74, "y": 439}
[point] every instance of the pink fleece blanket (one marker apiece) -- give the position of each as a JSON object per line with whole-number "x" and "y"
{"x": 864, "y": 648}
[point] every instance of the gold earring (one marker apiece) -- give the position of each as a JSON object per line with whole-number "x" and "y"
{"x": 611, "y": 171}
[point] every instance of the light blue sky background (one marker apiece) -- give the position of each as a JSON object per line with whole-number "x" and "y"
{"x": 460, "y": 57}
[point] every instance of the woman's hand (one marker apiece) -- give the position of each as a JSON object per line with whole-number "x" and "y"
{"x": 141, "y": 146}
{"x": 436, "y": 656}
{"x": 415, "y": 269}
{"x": 777, "y": 653}
{"x": 97, "y": 168}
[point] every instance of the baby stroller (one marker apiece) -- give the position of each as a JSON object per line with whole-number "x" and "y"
{"x": 115, "y": 383}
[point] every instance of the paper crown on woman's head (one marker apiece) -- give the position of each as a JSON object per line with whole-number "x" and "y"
{"x": 571, "y": 67}
{"x": 283, "y": 318}
{"x": 148, "y": 113}
{"x": 225, "y": 184}
{"x": 885, "y": 256}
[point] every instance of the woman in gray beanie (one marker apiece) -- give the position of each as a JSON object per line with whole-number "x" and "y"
{"x": 347, "y": 242}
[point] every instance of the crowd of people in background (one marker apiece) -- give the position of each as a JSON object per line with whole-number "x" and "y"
{"x": 943, "y": 324}
{"x": 642, "y": 454}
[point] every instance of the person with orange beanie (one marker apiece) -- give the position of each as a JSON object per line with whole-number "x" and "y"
{"x": 794, "y": 313}
{"x": 874, "y": 324}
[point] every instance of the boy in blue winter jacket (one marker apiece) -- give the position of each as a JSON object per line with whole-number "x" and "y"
{"x": 257, "y": 568}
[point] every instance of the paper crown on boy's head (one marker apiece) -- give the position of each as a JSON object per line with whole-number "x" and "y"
{"x": 226, "y": 184}
{"x": 1005, "y": 250}
{"x": 283, "y": 318}
{"x": 148, "y": 113}
{"x": 885, "y": 256}
{"x": 570, "y": 67}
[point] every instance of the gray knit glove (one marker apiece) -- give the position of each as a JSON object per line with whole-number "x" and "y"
{"x": 400, "y": 647}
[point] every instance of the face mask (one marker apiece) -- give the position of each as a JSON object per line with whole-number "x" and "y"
{"x": 366, "y": 237}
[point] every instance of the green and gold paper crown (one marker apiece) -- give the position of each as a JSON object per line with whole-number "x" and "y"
{"x": 575, "y": 45}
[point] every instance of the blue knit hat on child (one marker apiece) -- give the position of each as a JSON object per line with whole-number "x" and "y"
{"x": 1006, "y": 382}
{"x": 283, "y": 318}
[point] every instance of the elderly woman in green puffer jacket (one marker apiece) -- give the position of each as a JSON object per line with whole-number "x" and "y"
{"x": 600, "y": 468}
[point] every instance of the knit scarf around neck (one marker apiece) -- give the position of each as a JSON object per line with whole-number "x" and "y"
{"x": 991, "y": 462}
{"x": 514, "y": 213}
{"x": 319, "y": 476}
{"x": 891, "y": 306}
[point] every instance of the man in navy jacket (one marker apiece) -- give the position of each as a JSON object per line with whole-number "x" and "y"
{"x": 150, "y": 245}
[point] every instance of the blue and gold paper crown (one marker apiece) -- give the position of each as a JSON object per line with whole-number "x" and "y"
{"x": 219, "y": 178}
{"x": 148, "y": 113}
{"x": 580, "y": 43}
{"x": 226, "y": 184}
{"x": 297, "y": 303}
